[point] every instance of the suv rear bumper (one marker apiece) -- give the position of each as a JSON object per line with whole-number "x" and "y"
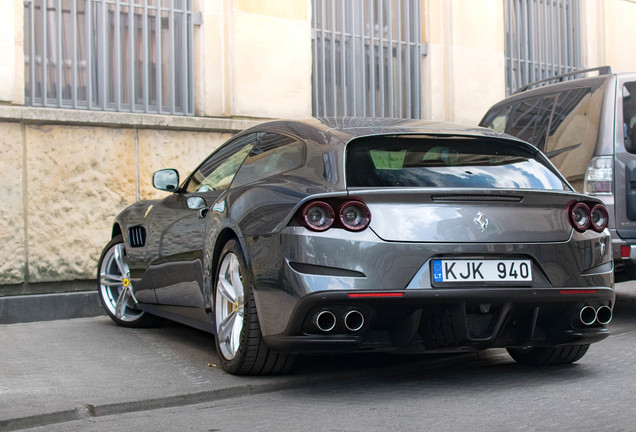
{"x": 624, "y": 253}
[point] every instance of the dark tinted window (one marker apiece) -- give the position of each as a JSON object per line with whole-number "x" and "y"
{"x": 629, "y": 116}
{"x": 272, "y": 154}
{"x": 568, "y": 103}
{"x": 573, "y": 132}
{"x": 446, "y": 162}
{"x": 497, "y": 118}
{"x": 529, "y": 119}
{"x": 562, "y": 124}
{"x": 218, "y": 170}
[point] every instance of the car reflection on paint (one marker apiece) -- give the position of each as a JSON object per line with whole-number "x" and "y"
{"x": 345, "y": 235}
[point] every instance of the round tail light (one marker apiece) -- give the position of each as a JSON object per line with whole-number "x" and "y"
{"x": 600, "y": 217}
{"x": 354, "y": 215}
{"x": 580, "y": 216}
{"x": 318, "y": 215}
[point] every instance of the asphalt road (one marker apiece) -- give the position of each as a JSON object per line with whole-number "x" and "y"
{"x": 88, "y": 375}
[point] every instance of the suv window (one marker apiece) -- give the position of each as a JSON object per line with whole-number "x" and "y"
{"x": 497, "y": 118}
{"x": 272, "y": 154}
{"x": 567, "y": 128}
{"x": 629, "y": 116}
{"x": 555, "y": 123}
{"x": 529, "y": 119}
{"x": 447, "y": 162}
{"x": 573, "y": 127}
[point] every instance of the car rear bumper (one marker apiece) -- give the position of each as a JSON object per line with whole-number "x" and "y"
{"x": 445, "y": 320}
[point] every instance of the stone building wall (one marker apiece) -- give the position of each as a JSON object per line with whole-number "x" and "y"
{"x": 67, "y": 174}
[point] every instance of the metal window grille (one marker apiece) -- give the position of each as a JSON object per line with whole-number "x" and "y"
{"x": 366, "y": 58}
{"x": 542, "y": 40}
{"x": 111, "y": 55}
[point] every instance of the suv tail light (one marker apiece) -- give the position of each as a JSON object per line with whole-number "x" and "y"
{"x": 626, "y": 251}
{"x": 599, "y": 176}
{"x": 320, "y": 215}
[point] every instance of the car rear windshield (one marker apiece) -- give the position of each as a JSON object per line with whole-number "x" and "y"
{"x": 450, "y": 162}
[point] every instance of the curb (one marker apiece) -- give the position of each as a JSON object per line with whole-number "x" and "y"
{"x": 48, "y": 307}
{"x": 89, "y": 411}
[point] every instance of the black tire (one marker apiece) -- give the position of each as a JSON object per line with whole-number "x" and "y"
{"x": 540, "y": 356}
{"x": 112, "y": 278}
{"x": 239, "y": 342}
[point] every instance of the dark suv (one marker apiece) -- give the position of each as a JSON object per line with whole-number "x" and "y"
{"x": 587, "y": 127}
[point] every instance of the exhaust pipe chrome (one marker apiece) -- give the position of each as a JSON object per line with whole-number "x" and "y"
{"x": 325, "y": 321}
{"x": 604, "y": 315}
{"x": 587, "y": 315}
{"x": 354, "y": 320}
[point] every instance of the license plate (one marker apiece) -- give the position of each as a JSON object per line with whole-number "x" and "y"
{"x": 482, "y": 270}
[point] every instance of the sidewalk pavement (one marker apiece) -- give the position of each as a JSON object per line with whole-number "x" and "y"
{"x": 56, "y": 371}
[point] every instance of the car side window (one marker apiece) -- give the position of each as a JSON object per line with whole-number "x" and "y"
{"x": 571, "y": 118}
{"x": 573, "y": 132}
{"x": 497, "y": 119}
{"x": 529, "y": 119}
{"x": 217, "y": 172}
{"x": 629, "y": 116}
{"x": 272, "y": 154}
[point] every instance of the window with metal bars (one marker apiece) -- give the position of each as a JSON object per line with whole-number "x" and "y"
{"x": 366, "y": 58}
{"x": 542, "y": 40}
{"x": 110, "y": 55}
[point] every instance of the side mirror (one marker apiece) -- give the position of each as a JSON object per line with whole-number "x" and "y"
{"x": 166, "y": 179}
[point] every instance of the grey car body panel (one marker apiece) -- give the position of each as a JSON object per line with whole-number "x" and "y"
{"x": 449, "y": 216}
{"x": 292, "y": 267}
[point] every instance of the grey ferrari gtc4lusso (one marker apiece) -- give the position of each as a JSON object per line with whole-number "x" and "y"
{"x": 345, "y": 235}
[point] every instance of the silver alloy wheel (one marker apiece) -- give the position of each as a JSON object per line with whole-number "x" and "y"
{"x": 229, "y": 306}
{"x": 115, "y": 287}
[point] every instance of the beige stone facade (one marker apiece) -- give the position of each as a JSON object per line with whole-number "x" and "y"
{"x": 257, "y": 58}
{"x": 12, "y": 207}
{"x": 455, "y": 88}
{"x": 67, "y": 173}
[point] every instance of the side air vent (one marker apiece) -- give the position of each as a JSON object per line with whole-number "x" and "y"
{"x": 489, "y": 198}
{"x": 137, "y": 236}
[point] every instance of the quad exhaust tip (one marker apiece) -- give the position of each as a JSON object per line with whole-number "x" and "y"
{"x": 587, "y": 315}
{"x": 602, "y": 315}
{"x": 325, "y": 321}
{"x": 354, "y": 320}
